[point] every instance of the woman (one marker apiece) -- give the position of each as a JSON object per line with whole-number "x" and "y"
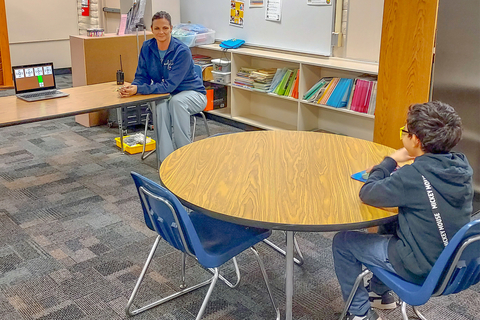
{"x": 165, "y": 65}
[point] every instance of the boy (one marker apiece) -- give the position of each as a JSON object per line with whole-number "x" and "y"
{"x": 435, "y": 190}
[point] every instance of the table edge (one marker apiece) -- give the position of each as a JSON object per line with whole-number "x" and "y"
{"x": 285, "y": 227}
{"x": 74, "y": 113}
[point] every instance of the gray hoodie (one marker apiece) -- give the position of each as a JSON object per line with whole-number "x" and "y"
{"x": 434, "y": 199}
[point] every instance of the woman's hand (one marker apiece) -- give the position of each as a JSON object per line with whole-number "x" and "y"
{"x": 401, "y": 155}
{"x": 128, "y": 91}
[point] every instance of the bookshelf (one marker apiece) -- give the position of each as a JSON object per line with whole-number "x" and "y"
{"x": 273, "y": 112}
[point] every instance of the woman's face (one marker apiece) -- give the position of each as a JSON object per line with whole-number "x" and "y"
{"x": 162, "y": 30}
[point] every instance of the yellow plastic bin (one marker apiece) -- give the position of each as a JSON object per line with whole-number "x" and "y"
{"x": 136, "y": 148}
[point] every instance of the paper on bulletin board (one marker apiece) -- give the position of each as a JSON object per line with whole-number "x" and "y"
{"x": 256, "y": 3}
{"x": 237, "y": 8}
{"x": 273, "y": 12}
{"x": 319, "y": 2}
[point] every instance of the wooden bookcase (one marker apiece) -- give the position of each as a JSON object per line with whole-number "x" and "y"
{"x": 97, "y": 59}
{"x": 273, "y": 112}
{"x": 6, "y": 80}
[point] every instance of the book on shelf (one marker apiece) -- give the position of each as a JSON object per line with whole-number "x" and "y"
{"x": 277, "y": 78}
{"x": 357, "y": 94}
{"x": 291, "y": 81}
{"x": 329, "y": 91}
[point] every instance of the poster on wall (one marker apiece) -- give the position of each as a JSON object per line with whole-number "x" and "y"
{"x": 273, "y": 11}
{"x": 256, "y": 4}
{"x": 237, "y": 8}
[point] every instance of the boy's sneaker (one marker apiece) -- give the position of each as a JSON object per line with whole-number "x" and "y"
{"x": 385, "y": 301}
{"x": 371, "y": 315}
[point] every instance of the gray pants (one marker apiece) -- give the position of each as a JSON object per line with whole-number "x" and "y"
{"x": 173, "y": 120}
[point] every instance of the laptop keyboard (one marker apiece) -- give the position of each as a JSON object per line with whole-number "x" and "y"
{"x": 40, "y": 94}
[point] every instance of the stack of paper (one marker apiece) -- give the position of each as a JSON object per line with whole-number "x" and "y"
{"x": 243, "y": 78}
{"x": 262, "y": 79}
{"x": 202, "y": 60}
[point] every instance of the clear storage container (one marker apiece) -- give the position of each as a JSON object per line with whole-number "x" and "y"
{"x": 221, "y": 65}
{"x": 221, "y": 77}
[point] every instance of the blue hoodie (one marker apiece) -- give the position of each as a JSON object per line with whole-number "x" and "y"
{"x": 174, "y": 75}
{"x": 418, "y": 242}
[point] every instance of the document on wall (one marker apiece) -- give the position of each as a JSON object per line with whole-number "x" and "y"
{"x": 273, "y": 11}
{"x": 237, "y": 8}
{"x": 256, "y": 3}
{"x": 319, "y": 2}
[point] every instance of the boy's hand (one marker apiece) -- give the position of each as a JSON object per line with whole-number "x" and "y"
{"x": 128, "y": 91}
{"x": 401, "y": 155}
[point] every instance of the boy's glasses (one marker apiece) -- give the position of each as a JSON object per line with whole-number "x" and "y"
{"x": 403, "y": 131}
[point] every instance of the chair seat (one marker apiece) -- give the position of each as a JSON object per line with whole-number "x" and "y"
{"x": 221, "y": 247}
{"x": 413, "y": 294}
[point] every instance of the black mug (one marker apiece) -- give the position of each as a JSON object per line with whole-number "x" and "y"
{"x": 120, "y": 77}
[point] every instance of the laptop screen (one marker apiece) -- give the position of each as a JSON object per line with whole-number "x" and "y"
{"x": 34, "y": 77}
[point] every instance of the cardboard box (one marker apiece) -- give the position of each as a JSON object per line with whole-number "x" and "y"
{"x": 216, "y": 96}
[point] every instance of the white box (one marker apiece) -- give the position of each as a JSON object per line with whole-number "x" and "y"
{"x": 221, "y": 77}
{"x": 221, "y": 65}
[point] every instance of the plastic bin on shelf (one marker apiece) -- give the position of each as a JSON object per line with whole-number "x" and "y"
{"x": 221, "y": 65}
{"x": 193, "y": 34}
{"x": 221, "y": 77}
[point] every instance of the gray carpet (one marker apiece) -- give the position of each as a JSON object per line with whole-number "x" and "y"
{"x": 73, "y": 240}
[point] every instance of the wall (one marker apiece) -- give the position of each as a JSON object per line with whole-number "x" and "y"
{"x": 92, "y": 21}
{"x": 38, "y": 31}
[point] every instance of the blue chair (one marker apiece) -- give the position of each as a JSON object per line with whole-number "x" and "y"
{"x": 457, "y": 268}
{"x": 210, "y": 241}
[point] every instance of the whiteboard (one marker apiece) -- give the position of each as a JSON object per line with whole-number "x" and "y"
{"x": 302, "y": 28}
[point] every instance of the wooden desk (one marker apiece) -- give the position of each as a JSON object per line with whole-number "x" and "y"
{"x": 81, "y": 100}
{"x": 285, "y": 180}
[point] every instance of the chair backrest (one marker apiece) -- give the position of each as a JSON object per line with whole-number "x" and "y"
{"x": 164, "y": 214}
{"x": 458, "y": 266}
{"x": 198, "y": 70}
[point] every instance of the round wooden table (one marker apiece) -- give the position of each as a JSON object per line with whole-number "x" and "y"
{"x": 284, "y": 180}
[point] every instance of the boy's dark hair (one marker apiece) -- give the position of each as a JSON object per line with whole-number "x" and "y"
{"x": 162, "y": 15}
{"x": 436, "y": 124}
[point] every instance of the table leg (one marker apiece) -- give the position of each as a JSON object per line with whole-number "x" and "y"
{"x": 120, "y": 127}
{"x": 154, "y": 118}
{"x": 289, "y": 276}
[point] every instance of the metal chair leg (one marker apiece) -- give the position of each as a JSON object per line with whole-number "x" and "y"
{"x": 299, "y": 261}
{"x": 352, "y": 293}
{"x": 163, "y": 300}
{"x": 194, "y": 127}
{"x": 184, "y": 258}
{"x": 207, "y": 297}
{"x": 265, "y": 277}
{"x": 145, "y": 140}
{"x": 404, "y": 310}
{"x": 417, "y": 312}
{"x": 237, "y": 271}
{"x": 206, "y": 124}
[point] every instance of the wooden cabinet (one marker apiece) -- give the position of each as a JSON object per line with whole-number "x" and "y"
{"x": 270, "y": 111}
{"x": 6, "y": 80}
{"x": 97, "y": 59}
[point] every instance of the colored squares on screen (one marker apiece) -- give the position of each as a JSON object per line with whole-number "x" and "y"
{"x": 29, "y": 72}
{"x": 19, "y": 73}
{"x": 38, "y": 71}
{"x": 47, "y": 70}
{"x": 40, "y": 81}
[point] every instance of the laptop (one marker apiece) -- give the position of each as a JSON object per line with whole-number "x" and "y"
{"x": 36, "y": 82}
